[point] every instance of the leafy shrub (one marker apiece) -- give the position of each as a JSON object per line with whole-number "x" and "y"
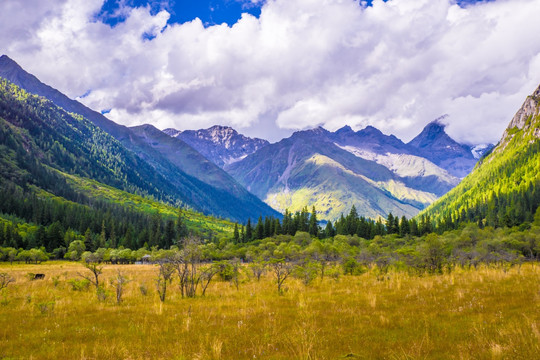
{"x": 46, "y": 308}
{"x": 144, "y": 289}
{"x": 79, "y": 284}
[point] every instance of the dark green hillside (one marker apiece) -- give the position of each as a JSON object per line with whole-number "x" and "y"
{"x": 36, "y": 135}
{"x": 504, "y": 188}
{"x": 169, "y": 177}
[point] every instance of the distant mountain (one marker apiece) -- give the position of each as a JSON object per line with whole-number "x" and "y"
{"x": 434, "y": 144}
{"x": 504, "y": 188}
{"x": 178, "y": 185}
{"x": 227, "y": 191}
{"x": 220, "y": 144}
{"x": 334, "y": 171}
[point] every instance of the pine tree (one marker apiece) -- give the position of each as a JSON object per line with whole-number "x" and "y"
{"x": 249, "y": 235}
{"x": 390, "y": 224}
{"x": 236, "y": 236}
{"x": 313, "y": 223}
{"x": 181, "y": 229}
{"x": 259, "y": 229}
{"x": 329, "y": 231}
{"x": 102, "y": 237}
{"x": 404, "y": 227}
{"x": 169, "y": 236}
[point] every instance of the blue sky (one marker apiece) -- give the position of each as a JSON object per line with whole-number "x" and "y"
{"x": 285, "y": 65}
{"x": 210, "y": 12}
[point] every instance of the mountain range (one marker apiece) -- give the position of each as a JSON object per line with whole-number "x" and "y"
{"x": 377, "y": 173}
{"x": 221, "y": 172}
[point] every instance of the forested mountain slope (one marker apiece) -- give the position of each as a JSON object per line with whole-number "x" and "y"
{"x": 504, "y": 188}
{"x": 59, "y": 169}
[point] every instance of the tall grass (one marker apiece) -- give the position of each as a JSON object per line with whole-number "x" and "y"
{"x": 488, "y": 313}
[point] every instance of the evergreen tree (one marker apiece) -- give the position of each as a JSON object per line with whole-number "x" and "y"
{"x": 259, "y": 229}
{"x": 249, "y": 235}
{"x": 267, "y": 227}
{"x": 277, "y": 227}
{"x": 404, "y": 227}
{"x": 329, "y": 231}
{"x": 313, "y": 223}
{"x": 102, "y": 237}
{"x": 181, "y": 229}
{"x": 55, "y": 236}
{"x": 390, "y": 224}
{"x": 236, "y": 236}
{"x": 169, "y": 236}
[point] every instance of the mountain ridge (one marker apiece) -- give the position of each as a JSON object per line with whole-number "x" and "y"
{"x": 193, "y": 191}
{"x": 220, "y": 144}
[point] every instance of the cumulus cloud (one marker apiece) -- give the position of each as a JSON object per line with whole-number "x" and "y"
{"x": 395, "y": 65}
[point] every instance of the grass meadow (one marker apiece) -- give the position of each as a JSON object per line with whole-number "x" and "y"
{"x": 487, "y": 313}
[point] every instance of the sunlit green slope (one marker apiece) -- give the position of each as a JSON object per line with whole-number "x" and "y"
{"x": 504, "y": 188}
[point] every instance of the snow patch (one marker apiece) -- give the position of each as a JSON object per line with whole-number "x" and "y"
{"x": 404, "y": 165}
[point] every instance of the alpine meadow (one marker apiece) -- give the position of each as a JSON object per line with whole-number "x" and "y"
{"x": 270, "y": 179}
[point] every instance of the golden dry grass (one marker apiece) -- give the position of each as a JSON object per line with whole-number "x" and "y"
{"x": 479, "y": 314}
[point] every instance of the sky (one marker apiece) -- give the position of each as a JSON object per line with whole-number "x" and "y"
{"x": 271, "y": 67}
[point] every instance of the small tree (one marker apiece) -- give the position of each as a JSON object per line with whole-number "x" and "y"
{"x": 119, "y": 283}
{"x": 166, "y": 271}
{"x": 235, "y": 263}
{"x": 96, "y": 269}
{"x": 187, "y": 264}
{"x": 258, "y": 268}
{"x": 282, "y": 269}
{"x": 5, "y": 280}
{"x": 206, "y": 275}
{"x": 307, "y": 271}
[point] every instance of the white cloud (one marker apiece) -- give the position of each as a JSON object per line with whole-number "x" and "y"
{"x": 396, "y": 65}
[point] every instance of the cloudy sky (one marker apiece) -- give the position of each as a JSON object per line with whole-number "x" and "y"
{"x": 269, "y": 67}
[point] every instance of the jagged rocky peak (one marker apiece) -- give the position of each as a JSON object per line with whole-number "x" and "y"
{"x": 218, "y": 133}
{"x": 345, "y": 130}
{"x": 371, "y": 130}
{"x": 527, "y": 119}
{"x": 172, "y": 132}
{"x": 529, "y": 109}
{"x": 318, "y": 131}
{"x": 436, "y": 127}
{"x": 220, "y": 144}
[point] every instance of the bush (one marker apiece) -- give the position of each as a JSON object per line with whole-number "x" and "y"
{"x": 144, "y": 289}
{"x": 46, "y": 308}
{"x": 79, "y": 284}
{"x": 226, "y": 271}
{"x": 333, "y": 272}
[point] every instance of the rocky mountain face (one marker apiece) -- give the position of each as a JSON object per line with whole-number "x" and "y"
{"x": 504, "y": 188}
{"x": 220, "y": 144}
{"x": 187, "y": 178}
{"x": 434, "y": 144}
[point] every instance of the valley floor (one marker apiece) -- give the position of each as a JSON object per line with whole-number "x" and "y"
{"x": 488, "y": 313}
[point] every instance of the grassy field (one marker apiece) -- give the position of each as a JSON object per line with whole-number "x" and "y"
{"x": 489, "y": 313}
